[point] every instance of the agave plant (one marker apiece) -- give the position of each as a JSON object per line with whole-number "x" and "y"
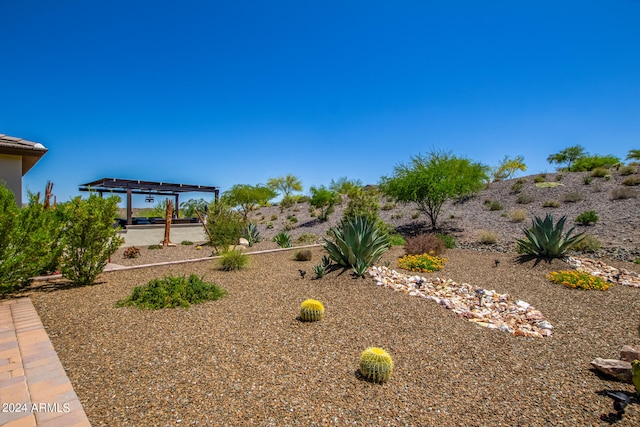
{"x": 545, "y": 239}
{"x": 282, "y": 239}
{"x": 358, "y": 244}
{"x": 251, "y": 233}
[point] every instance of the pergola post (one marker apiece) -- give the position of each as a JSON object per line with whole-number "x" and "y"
{"x": 176, "y": 208}
{"x": 129, "y": 210}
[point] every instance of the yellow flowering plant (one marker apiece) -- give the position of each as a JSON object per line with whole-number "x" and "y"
{"x": 578, "y": 280}
{"x": 424, "y": 263}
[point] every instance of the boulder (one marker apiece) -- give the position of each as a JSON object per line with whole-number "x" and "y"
{"x": 619, "y": 369}
{"x": 629, "y": 353}
{"x": 243, "y": 241}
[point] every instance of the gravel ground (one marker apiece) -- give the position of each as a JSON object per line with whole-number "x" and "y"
{"x": 247, "y": 360}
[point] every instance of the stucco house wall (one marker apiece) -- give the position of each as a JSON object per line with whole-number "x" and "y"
{"x": 11, "y": 175}
{"x": 17, "y": 156}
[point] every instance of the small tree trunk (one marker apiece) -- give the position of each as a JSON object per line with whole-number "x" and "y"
{"x": 167, "y": 225}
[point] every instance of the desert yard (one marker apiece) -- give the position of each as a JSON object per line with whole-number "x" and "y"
{"x": 247, "y": 360}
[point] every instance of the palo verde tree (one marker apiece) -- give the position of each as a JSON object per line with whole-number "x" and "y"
{"x": 285, "y": 185}
{"x": 568, "y": 156}
{"x": 247, "y": 197}
{"x": 508, "y": 168}
{"x": 188, "y": 208}
{"x": 431, "y": 180}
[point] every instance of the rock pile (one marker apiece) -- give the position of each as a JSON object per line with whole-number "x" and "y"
{"x": 484, "y": 307}
{"x": 619, "y": 368}
{"x": 617, "y": 276}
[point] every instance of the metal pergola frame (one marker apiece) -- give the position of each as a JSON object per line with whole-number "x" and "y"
{"x": 153, "y": 188}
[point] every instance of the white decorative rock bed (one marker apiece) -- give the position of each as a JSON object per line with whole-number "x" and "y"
{"x": 483, "y": 307}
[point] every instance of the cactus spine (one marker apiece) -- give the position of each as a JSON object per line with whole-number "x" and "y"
{"x": 311, "y": 310}
{"x": 376, "y": 364}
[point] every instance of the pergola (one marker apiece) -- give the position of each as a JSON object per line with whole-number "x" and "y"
{"x": 151, "y": 188}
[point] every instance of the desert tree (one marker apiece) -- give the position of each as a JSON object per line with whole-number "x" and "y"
{"x": 508, "y": 168}
{"x": 247, "y": 197}
{"x": 345, "y": 186}
{"x": 568, "y": 156}
{"x": 285, "y": 185}
{"x": 429, "y": 181}
{"x": 188, "y": 208}
{"x": 633, "y": 155}
{"x": 323, "y": 199}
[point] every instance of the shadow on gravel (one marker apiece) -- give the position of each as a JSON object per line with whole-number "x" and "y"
{"x": 620, "y": 400}
{"x": 52, "y": 286}
{"x": 525, "y": 259}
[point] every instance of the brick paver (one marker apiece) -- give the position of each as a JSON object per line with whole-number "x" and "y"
{"x": 34, "y": 388}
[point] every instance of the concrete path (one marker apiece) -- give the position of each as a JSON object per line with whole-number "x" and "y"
{"x": 34, "y": 388}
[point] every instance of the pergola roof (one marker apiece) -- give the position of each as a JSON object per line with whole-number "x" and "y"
{"x": 116, "y": 185}
{"x": 133, "y": 186}
{"x": 31, "y": 152}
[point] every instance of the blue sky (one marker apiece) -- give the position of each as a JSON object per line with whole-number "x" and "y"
{"x": 221, "y": 93}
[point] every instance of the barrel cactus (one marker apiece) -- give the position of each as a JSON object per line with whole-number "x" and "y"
{"x": 311, "y": 310}
{"x": 376, "y": 364}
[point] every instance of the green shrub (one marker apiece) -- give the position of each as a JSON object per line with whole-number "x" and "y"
{"x": 449, "y": 241}
{"x": 590, "y": 163}
{"x": 251, "y": 233}
{"x": 274, "y": 217}
{"x": 545, "y": 238}
{"x": 572, "y": 197}
{"x": 415, "y": 215}
{"x": 631, "y": 181}
{"x": 357, "y": 243}
{"x": 518, "y": 186}
{"x": 525, "y": 199}
{"x": 311, "y": 310}
{"x": 171, "y": 292}
{"x": 89, "y": 238}
{"x": 225, "y": 227}
{"x": 623, "y": 193}
{"x": 587, "y": 244}
{"x": 600, "y": 172}
{"x": 388, "y": 206}
{"x": 376, "y": 365}
{"x": 518, "y": 215}
{"x": 283, "y": 240}
{"x": 395, "y": 239}
{"x": 186, "y": 243}
{"x": 540, "y": 178}
{"x": 155, "y": 247}
{"x": 559, "y": 177}
{"x": 233, "y": 260}
{"x": 551, "y": 204}
{"x": 307, "y": 238}
{"x": 131, "y": 252}
{"x": 427, "y": 243}
{"x": 587, "y": 180}
{"x": 324, "y": 200}
{"x": 29, "y": 240}
{"x": 269, "y": 225}
{"x": 362, "y": 203}
{"x": 628, "y": 170}
{"x": 303, "y": 255}
{"x": 636, "y": 261}
{"x": 587, "y": 218}
{"x": 487, "y": 237}
{"x": 495, "y": 205}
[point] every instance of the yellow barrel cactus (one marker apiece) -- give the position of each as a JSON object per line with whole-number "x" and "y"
{"x": 311, "y": 310}
{"x": 635, "y": 369}
{"x": 376, "y": 364}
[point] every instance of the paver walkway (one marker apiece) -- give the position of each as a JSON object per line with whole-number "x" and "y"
{"x": 34, "y": 389}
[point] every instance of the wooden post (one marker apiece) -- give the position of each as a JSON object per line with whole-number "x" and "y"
{"x": 167, "y": 226}
{"x": 47, "y": 195}
{"x": 204, "y": 225}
